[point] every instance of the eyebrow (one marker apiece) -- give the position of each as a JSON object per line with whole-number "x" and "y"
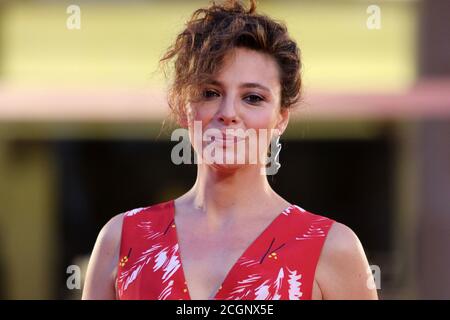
{"x": 244, "y": 85}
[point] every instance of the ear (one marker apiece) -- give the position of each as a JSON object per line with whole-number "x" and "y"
{"x": 283, "y": 119}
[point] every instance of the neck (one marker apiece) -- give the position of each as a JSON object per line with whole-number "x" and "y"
{"x": 233, "y": 194}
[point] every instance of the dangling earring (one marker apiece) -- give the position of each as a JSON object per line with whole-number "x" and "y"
{"x": 274, "y": 164}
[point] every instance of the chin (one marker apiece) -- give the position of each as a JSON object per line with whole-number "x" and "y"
{"x": 227, "y": 168}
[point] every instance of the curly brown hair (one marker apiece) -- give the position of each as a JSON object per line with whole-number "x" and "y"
{"x": 199, "y": 50}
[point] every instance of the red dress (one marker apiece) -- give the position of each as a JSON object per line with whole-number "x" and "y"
{"x": 278, "y": 265}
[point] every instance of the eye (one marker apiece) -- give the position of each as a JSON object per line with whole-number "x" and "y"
{"x": 208, "y": 94}
{"x": 253, "y": 99}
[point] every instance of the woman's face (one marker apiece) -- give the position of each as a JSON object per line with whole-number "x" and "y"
{"x": 244, "y": 97}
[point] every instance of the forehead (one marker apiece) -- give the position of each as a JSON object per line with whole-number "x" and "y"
{"x": 243, "y": 65}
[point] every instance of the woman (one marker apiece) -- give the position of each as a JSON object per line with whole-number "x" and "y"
{"x": 231, "y": 236}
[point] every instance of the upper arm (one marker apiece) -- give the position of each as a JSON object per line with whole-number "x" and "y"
{"x": 343, "y": 271}
{"x": 100, "y": 274}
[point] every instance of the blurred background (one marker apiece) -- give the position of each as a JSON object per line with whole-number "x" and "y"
{"x": 81, "y": 135}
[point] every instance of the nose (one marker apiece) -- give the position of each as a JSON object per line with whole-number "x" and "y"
{"x": 227, "y": 112}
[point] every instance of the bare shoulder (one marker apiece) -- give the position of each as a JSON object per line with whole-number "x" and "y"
{"x": 111, "y": 232}
{"x": 108, "y": 239}
{"x": 341, "y": 240}
{"x": 100, "y": 275}
{"x": 343, "y": 271}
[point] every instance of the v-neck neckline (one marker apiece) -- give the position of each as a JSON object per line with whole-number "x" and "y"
{"x": 235, "y": 265}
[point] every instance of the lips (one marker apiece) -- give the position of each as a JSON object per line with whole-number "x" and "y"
{"x": 227, "y": 138}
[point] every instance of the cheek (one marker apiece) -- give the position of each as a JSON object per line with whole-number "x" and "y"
{"x": 202, "y": 114}
{"x": 261, "y": 120}
{"x": 262, "y": 123}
